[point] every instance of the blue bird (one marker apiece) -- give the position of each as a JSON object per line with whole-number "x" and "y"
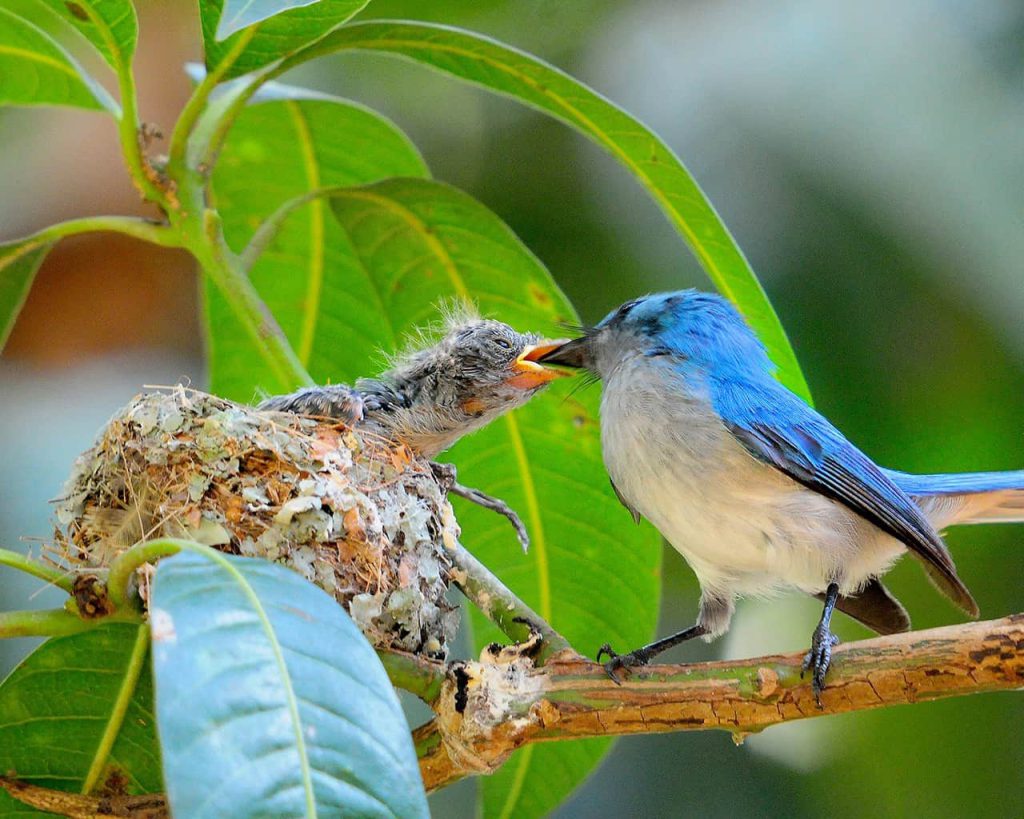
{"x": 757, "y": 490}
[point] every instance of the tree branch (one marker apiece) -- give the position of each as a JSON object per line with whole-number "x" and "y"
{"x": 488, "y": 709}
{"x": 500, "y": 605}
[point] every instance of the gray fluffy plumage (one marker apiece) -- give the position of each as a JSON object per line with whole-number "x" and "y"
{"x": 432, "y": 395}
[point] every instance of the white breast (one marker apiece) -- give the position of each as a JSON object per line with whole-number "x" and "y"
{"x": 743, "y": 526}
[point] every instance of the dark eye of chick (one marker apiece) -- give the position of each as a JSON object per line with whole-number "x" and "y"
{"x": 504, "y": 343}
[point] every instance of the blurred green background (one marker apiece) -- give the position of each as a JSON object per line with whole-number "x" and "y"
{"x": 869, "y": 159}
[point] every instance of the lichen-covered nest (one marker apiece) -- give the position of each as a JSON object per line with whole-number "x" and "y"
{"x": 366, "y": 521}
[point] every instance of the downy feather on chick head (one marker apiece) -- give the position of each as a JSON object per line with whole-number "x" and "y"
{"x": 478, "y": 369}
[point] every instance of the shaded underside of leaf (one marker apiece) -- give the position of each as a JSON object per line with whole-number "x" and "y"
{"x": 328, "y": 308}
{"x": 110, "y": 25}
{"x": 36, "y": 70}
{"x": 512, "y": 73}
{"x": 238, "y": 14}
{"x": 274, "y": 37}
{"x": 270, "y": 702}
{"x": 59, "y": 716}
{"x": 19, "y": 264}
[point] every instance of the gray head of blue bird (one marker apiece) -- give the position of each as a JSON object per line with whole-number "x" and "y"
{"x": 701, "y": 329}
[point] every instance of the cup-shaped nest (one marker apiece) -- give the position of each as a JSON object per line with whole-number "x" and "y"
{"x": 365, "y": 520}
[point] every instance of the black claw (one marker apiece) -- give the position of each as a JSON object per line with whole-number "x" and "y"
{"x": 818, "y": 659}
{"x": 623, "y": 661}
{"x": 605, "y": 649}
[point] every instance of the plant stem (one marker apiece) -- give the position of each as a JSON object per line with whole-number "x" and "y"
{"x": 52, "y": 623}
{"x": 413, "y": 674}
{"x": 225, "y": 271}
{"x": 145, "y": 229}
{"x": 123, "y": 567}
{"x": 198, "y": 101}
{"x": 53, "y": 576}
{"x": 128, "y": 130}
{"x": 497, "y": 602}
{"x": 266, "y": 232}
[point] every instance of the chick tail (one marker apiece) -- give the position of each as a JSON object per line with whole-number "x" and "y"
{"x": 971, "y": 497}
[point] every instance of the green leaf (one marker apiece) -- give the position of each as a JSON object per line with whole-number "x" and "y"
{"x": 77, "y": 712}
{"x": 279, "y": 150}
{"x": 237, "y": 14}
{"x": 36, "y": 70}
{"x": 110, "y": 25}
{"x": 590, "y": 572}
{"x": 19, "y": 263}
{"x": 270, "y": 39}
{"x": 270, "y": 702}
{"x": 507, "y": 71}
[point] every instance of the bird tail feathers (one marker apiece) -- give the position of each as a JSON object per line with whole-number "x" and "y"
{"x": 972, "y": 497}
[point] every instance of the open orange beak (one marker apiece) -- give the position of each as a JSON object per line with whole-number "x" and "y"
{"x": 527, "y": 373}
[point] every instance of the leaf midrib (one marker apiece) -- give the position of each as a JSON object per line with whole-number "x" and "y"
{"x": 292, "y": 700}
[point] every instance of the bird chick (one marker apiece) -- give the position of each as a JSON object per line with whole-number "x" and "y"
{"x": 433, "y": 396}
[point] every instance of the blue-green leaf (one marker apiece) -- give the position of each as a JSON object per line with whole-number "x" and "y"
{"x": 269, "y": 700}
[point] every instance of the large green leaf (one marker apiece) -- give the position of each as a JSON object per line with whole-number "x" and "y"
{"x": 110, "y": 25}
{"x": 590, "y": 572}
{"x": 279, "y": 150}
{"x": 496, "y": 67}
{"x": 77, "y": 712}
{"x": 270, "y": 701}
{"x": 270, "y": 39}
{"x": 36, "y": 70}
{"x": 18, "y": 265}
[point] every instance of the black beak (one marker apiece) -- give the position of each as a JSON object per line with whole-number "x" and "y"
{"x": 575, "y": 353}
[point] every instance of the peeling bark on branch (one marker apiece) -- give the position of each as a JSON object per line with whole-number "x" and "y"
{"x": 487, "y": 709}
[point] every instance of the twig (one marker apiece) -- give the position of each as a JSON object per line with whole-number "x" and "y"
{"x": 485, "y": 711}
{"x": 497, "y": 602}
{"x": 56, "y": 577}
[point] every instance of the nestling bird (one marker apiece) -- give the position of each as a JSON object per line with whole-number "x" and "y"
{"x": 432, "y": 396}
{"x": 757, "y": 490}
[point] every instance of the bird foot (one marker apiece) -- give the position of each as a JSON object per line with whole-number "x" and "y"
{"x": 819, "y": 658}
{"x": 446, "y": 477}
{"x": 623, "y": 661}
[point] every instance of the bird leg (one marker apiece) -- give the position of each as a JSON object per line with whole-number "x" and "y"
{"x": 445, "y": 474}
{"x": 818, "y": 658}
{"x": 643, "y": 655}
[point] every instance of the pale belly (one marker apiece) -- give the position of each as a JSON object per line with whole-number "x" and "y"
{"x": 744, "y": 527}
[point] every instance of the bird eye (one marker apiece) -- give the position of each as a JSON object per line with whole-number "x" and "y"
{"x": 504, "y": 343}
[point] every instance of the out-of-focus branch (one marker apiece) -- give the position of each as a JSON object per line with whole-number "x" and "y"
{"x": 488, "y": 709}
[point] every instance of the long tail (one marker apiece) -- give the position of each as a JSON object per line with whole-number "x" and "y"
{"x": 970, "y": 497}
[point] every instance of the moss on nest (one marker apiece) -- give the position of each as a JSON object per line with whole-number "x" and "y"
{"x": 364, "y": 520}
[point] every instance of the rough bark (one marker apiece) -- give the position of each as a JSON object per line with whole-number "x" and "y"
{"x": 489, "y": 708}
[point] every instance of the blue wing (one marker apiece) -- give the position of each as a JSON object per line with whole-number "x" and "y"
{"x": 779, "y": 429}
